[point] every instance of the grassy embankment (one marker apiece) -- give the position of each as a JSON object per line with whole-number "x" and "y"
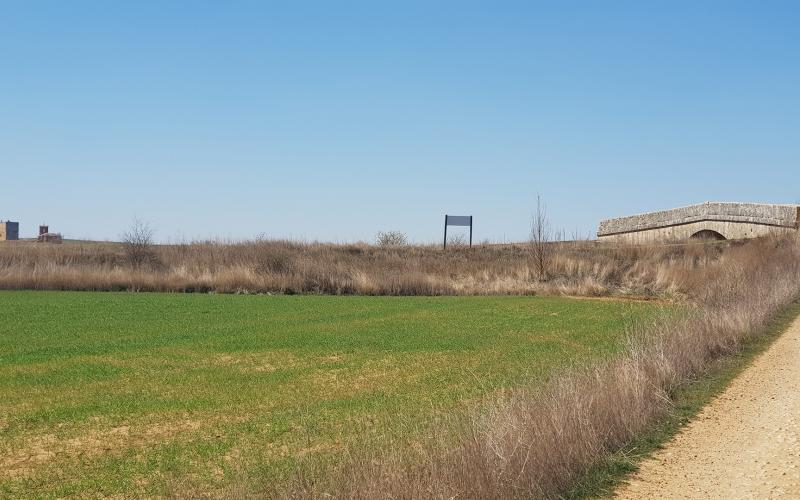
{"x": 153, "y": 394}
{"x": 573, "y": 268}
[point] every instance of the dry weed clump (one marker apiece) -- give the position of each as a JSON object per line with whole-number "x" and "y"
{"x": 584, "y": 268}
{"x": 537, "y": 444}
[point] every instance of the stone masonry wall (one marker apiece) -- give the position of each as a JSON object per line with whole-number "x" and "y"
{"x": 683, "y": 232}
{"x": 782, "y": 216}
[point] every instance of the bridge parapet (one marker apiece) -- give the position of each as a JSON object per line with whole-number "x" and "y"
{"x": 786, "y": 216}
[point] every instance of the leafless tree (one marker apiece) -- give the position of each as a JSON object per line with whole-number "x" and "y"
{"x": 391, "y": 239}
{"x": 456, "y": 240}
{"x": 138, "y": 243}
{"x": 540, "y": 239}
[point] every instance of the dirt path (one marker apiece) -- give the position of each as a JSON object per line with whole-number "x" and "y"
{"x": 744, "y": 444}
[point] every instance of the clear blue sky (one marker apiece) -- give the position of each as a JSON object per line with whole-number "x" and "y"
{"x": 334, "y": 120}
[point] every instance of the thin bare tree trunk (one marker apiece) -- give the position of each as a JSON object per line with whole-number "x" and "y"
{"x": 540, "y": 239}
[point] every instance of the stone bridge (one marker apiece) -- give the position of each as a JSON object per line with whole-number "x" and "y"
{"x": 711, "y": 220}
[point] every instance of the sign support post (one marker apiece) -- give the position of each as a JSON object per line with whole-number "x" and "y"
{"x": 457, "y": 220}
{"x": 444, "y": 245}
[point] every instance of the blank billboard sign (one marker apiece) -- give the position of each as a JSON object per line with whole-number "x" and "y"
{"x": 457, "y": 220}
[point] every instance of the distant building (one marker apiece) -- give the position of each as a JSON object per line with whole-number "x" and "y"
{"x": 9, "y": 231}
{"x": 45, "y": 236}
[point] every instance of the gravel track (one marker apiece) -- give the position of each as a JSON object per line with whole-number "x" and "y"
{"x": 744, "y": 444}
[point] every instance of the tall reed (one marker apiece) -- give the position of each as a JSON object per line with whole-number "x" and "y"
{"x": 585, "y": 268}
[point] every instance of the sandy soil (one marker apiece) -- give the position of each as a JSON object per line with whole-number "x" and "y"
{"x": 744, "y": 444}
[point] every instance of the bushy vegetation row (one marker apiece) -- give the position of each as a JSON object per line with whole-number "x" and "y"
{"x": 581, "y": 268}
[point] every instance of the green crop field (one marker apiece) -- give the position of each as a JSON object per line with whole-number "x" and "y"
{"x": 115, "y": 393}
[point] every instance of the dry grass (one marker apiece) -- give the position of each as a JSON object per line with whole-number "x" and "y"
{"x": 539, "y": 443}
{"x": 585, "y": 268}
{"x": 527, "y": 442}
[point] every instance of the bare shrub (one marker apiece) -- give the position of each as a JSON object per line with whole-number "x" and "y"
{"x": 391, "y": 239}
{"x": 456, "y": 240}
{"x": 137, "y": 242}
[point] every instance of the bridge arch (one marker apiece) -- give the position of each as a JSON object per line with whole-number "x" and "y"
{"x": 707, "y": 234}
{"x": 714, "y": 220}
